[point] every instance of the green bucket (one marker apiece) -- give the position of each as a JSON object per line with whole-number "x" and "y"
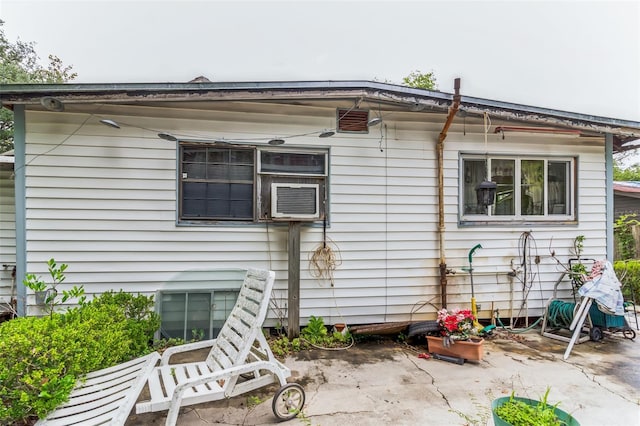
{"x": 564, "y": 417}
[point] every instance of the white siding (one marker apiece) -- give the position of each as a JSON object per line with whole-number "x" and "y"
{"x": 7, "y": 235}
{"x": 104, "y": 201}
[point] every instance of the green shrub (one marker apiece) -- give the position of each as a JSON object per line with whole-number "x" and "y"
{"x": 623, "y": 230}
{"x": 628, "y": 271}
{"x": 315, "y": 332}
{"x": 42, "y": 357}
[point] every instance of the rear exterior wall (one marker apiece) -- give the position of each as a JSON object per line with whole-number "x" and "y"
{"x": 103, "y": 200}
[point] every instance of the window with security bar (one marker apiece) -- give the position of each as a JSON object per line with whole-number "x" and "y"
{"x": 222, "y": 183}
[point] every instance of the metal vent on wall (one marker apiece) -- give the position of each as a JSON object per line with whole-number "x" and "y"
{"x": 352, "y": 121}
{"x": 294, "y": 201}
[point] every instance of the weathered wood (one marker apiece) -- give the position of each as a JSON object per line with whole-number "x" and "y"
{"x": 294, "y": 280}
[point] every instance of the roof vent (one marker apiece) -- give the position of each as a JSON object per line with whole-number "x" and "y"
{"x": 352, "y": 120}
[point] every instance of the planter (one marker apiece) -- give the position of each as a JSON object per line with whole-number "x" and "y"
{"x": 41, "y": 297}
{"x": 564, "y": 417}
{"x": 470, "y": 350}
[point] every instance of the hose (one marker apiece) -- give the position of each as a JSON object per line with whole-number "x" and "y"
{"x": 560, "y": 314}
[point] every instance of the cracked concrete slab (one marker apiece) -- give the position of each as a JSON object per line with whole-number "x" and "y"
{"x": 385, "y": 383}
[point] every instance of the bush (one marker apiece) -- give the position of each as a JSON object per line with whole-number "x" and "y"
{"x": 42, "y": 357}
{"x": 628, "y": 271}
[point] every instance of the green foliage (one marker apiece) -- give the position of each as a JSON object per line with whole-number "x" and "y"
{"x": 629, "y": 174}
{"x": 315, "y": 332}
{"x": 42, "y": 357}
{"x": 282, "y": 346}
{"x": 19, "y": 63}
{"x": 253, "y": 401}
{"x": 628, "y": 271}
{"x": 421, "y": 80}
{"x": 197, "y": 334}
{"x": 57, "y": 276}
{"x": 34, "y": 283}
{"x": 519, "y": 413}
{"x": 622, "y": 229}
{"x": 162, "y": 344}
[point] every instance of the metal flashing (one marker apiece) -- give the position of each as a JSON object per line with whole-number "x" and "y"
{"x": 31, "y": 94}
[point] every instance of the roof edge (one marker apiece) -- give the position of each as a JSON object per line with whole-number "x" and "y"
{"x": 30, "y": 93}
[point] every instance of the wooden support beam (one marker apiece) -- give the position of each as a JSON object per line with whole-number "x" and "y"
{"x": 293, "y": 307}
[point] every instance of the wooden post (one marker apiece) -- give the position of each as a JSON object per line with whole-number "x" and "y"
{"x": 293, "y": 307}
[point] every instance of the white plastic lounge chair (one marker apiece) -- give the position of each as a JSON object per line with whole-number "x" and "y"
{"x": 105, "y": 396}
{"x": 239, "y": 361}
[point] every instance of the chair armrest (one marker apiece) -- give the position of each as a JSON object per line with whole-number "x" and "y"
{"x": 168, "y": 353}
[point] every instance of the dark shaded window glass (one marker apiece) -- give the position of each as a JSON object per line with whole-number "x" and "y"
{"x": 293, "y": 163}
{"x": 217, "y": 183}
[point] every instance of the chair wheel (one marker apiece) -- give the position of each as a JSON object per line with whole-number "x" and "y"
{"x": 288, "y": 401}
{"x": 595, "y": 334}
{"x": 629, "y": 333}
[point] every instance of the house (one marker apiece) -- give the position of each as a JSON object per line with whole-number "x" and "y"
{"x": 626, "y": 198}
{"x": 7, "y": 237}
{"x": 365, "y": 198}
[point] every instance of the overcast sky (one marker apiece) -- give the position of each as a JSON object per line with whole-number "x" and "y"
{"x": 578, "y": 56}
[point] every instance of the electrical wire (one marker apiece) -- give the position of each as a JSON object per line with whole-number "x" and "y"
{"x": 55, "y": 146}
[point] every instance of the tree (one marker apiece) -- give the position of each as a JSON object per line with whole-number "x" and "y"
{"x": 421, "y": 80}
{"x": 629, "y": 174}
{"x": 19, "y": 63}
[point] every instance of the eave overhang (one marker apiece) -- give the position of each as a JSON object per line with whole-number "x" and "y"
{"x": 383, "y": 93}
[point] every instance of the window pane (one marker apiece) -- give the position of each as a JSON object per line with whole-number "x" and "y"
{"x": 475, "y": 171}
{"x": 223, "y": 302}
{"x": 531, "y": 187}
{"x": 217, "y": 171}
{"x": 194, "y": 170}
{"x": 293, "y": 163}
{"x": 241, "y": 172}
{"x": 198, "y": 315}
{"x": 558, "y": 182}
{"x": 172, "y": 308}
{"x": 218, "y": 156}
{"x": 502, "y": 173}
{"x": 193, "y": 163}
{"x": 242, "y": 156}
{"x": 194, "y": 155}
{"x": 224, "y": 187}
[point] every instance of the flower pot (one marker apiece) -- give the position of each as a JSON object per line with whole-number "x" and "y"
{"x": 41, "y": 297}
{"x": 340, "y": 328}
{"x": 470, "y": 350}
{"x": 564, "y": 417}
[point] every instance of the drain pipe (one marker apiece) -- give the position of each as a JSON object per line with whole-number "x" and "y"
{"x": 440, "y": 155}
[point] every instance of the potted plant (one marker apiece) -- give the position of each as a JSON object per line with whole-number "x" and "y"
{"x": 517, "y": 411}
{"x": 458, "y": 336}
{"x": 38, "y": 286}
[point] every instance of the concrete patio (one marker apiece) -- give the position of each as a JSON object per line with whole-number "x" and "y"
{"x": 380, "y": 382}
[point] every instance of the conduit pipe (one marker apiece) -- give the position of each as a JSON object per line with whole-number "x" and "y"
{"x": 441, "y": 223}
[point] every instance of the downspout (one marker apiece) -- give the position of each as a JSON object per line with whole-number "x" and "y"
{"x": 440, "y": 155}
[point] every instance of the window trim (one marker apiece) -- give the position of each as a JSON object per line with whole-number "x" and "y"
{"x": 257, "y": 218}
{"x": 491, "y": 219}
{"x": 186, "y": 292}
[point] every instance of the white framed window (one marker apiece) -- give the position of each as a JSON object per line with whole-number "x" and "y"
{"x": 528, "y": 189}
{"x": 196, "y": 314}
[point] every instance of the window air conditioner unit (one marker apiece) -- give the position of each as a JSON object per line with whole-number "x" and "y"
{"x": 290, "y": 201}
